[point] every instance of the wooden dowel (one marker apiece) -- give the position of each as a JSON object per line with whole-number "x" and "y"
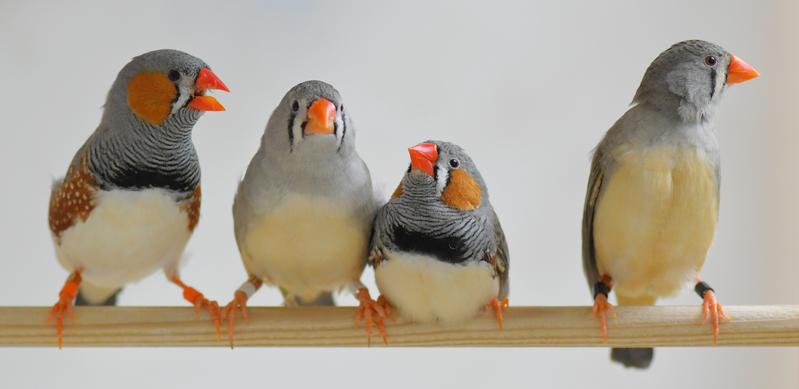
{"x": 328, "y": 326}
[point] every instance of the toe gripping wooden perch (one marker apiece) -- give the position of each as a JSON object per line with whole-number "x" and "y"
{"x": 312, "y": 326}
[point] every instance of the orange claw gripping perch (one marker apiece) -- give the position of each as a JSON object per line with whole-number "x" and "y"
{"x": 200, "y": 302}
{"x": 498, "y": 306}
{"x": 239, "y": 303}
{"x": 65, "y": 303}
{"x": 602, "y": 305}
{"x": 373, "y": 312}
{"x": 711, "y": 309}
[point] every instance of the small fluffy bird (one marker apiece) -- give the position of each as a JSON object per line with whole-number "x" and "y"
{"x": 304, "y": 209}
{"x": 131, "y": 196}
{"x": 653, "y": 192}
{"x": 438, "y": 249}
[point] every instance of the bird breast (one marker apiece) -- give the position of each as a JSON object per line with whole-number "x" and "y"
{"x": 127, "y": 236}
{"x": 307, "y": 245}
{"x": 427, "y": 289}
{"x": 655, "y": 218}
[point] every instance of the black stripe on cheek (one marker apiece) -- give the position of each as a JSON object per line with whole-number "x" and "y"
{"x": 291, "y": 130}
{"x": 712, "y": 82}
{"x": 344, "y": 129}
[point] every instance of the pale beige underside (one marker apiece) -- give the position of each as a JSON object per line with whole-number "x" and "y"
{"x": 425, "y": 289}
{"x": 306, "y": 246}
{"x": 655, "y": 220}
{"x": 128, "y": 236}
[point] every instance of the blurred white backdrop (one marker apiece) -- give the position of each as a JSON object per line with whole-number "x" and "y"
{"x": 528, "y": 89}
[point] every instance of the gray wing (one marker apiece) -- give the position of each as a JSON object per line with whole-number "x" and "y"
{"x": 502, "y": 259}
{"x": 376, "y": 242}
{"x": 591, "y": 196}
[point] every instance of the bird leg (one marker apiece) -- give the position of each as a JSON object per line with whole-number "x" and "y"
{"x": 498, "y": 306}
{"x": 239, "y": 304}
{"x": 65, "y": 303}
{"x": 372, "y": 312}
{"x": 602, "y": 305}
{"x": 711, "y": 308}
{"x": 200, "y": 302}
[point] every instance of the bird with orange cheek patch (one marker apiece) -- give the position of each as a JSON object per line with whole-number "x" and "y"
{"x": 131, "y": 196}
{"x": 438, "y": 249}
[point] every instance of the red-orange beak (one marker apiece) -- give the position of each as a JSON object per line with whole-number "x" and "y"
{"x": 740, "y": 71}
{"x": 207, "y": 80}
{"x": 424, "y": 157}
{"x": 321, "y": 117}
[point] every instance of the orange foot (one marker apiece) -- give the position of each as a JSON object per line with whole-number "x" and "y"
{"x": 601, "y": 307}
{"x": 498, "y": 306}
{"x": 373, "y": 312}
{"x": 238, "y": 304}
{"x": 712, "y": 309}
{"x": 64, "y": 305}
{"x": 200, "y": 302}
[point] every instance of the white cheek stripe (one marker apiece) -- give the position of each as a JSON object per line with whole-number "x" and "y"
{"x": 443, "y": 176}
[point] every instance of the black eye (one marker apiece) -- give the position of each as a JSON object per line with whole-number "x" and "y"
{"x": 454, "y": 163}
{"x": 173, "y": 75}
{"x": 295, "y": 106}
{"x": 710, "y": 60}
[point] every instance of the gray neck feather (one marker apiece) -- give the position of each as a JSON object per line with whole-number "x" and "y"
{"x": 125, "y": 152}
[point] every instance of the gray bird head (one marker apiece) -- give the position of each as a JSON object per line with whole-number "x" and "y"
{"x": 690, "y": 77}
{"x": 443, "y": 170}
{"x": 309, "y": 123}
{"x": 162, "y": 88}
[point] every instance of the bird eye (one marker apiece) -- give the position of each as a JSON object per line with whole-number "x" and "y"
{"x": 710, "y": 60}
{"x": 295, "y": 106}
{"x": 454, "y": 163}
{"x": 173, "y": 75}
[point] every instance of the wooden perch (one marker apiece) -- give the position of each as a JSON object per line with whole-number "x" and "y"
{"x": 327, "y": 326}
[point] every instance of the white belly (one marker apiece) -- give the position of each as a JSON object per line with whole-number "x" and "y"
{"x": 426, "y": 290}
{"x": 655, "y": 220}
{"x": 127, "y": 236}
{"x": 306, "y": 246}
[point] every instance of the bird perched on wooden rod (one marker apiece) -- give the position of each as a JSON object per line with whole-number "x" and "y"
{"x": 131, "y": 195}
{"x": 438, "y": 249}
{"x": 303, "y": 211}
{"x": 653, "y": 193}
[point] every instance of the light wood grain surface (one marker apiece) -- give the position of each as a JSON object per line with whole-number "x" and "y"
{"x": 312, "y": 326}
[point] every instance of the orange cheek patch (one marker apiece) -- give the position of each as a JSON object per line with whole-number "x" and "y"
{"x": 150, "y": 96}
{"x": 462, "y": 192}
{"x": 397, "y": 192}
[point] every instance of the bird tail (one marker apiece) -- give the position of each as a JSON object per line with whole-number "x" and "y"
{"x": 324, "y": 299}
{"x": 638, "y": 358}
{"x": 96, "y": 295}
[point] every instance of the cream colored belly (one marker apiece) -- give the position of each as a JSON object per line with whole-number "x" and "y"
{"x": 307, "y": 246}
{"x": 426, "y": 290}
{"x": 128, "y": 235}
{"x": 655, "y": 220}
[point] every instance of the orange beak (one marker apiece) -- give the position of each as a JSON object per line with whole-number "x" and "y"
{"x": 207, "y": 80}
{"x": 740, "y": 71}
{"x": 423, "y": 157}
{"x": 321, "y": 116}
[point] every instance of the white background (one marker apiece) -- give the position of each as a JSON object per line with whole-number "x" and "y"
{"x": 527, "y": 89}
